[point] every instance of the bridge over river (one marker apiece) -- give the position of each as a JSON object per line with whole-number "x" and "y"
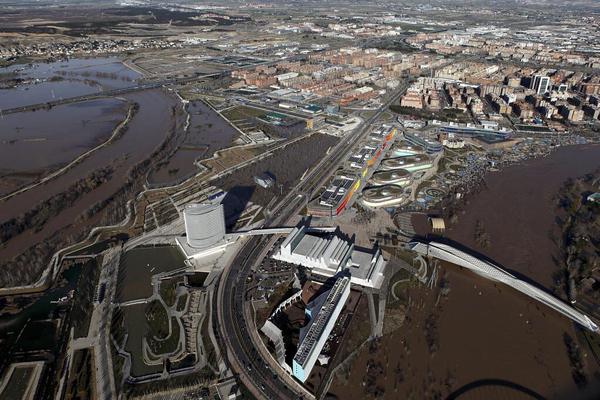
{"x": 490, "y": 271}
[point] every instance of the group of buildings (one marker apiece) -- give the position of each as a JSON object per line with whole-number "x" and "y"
{"x": 491, "y": 92}
{"x": 345, "y": 76}
{"x": 390, "y": 185}
{"x": 342, "y": 189}
{"x": 338, "y": 264}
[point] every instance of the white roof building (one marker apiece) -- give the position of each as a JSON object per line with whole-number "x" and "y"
{"x": 327, "y": 255}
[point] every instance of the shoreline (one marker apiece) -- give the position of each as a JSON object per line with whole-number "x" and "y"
{"x": 515, "y": 208}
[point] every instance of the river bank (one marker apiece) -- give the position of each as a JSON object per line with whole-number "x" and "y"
{"x": 468, "y": 337}
{"x": 515, "y": 209}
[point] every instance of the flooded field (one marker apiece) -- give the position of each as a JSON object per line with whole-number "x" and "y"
{"x": 134, "y": 318}
{"x": 135, "y": 274}
{"x": 207, "y": 133}
{"x": 42, "y": 82}
{"x": 153, "y": 123}
{"x": 483, "y": 340}
{"x": 36, "y": 142}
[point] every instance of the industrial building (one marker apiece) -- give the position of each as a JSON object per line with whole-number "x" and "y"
{"x": 404, "y": 148}
{"x": 475, "y": 131}
{"x": 264, "y": 180}
{"x": 327, "y": 255}
{"x": 431, "y": 146}
{"x": 324, "y": 312}
{"x": 339, "y": 192}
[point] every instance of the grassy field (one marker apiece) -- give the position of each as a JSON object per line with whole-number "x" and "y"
{"x": 243, "y": 117}
{"x": 157, "y": 319}
{"x": 168, "y": 290}
{"x": 85, "y": 291}
{"x": 181, "y": 302}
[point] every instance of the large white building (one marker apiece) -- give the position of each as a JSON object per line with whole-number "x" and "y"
{"x": 314, "y": 335}
{"x": 204, "y": 229}
{"x": 327, "y": 255}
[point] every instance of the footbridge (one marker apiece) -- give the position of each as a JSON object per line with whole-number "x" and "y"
{"x": 490, "y": 271}
{"x": 279, "y": 231}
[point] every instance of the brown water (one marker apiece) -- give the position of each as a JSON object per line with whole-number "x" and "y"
{"x": 147, "y": 130}
{"x": 63, "y": 79}
{"x": 208, "y": 132}
{"x": 517, "y": 209}
{"x": 35, "y": 142}
{"x": 492, "y": 342}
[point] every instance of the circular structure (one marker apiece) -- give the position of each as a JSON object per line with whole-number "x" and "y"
{"x": 404, "y": 149}
{"x": 383, "y": 196}
{"x": 409, "y": 163}
{"x": 204, "y": 225}
{"x": 435, "y": 192}
{"x": 400, "y": 177}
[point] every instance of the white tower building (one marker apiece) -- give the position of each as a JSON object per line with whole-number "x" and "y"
{"x": 204, "y": 225}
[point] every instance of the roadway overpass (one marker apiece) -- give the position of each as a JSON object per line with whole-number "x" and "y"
{"x": 490, "y": 271}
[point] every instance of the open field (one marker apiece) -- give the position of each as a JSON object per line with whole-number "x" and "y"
{"x": 244, "y": 117}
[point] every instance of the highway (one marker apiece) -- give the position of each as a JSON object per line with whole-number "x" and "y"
{"x": 262, "y": 377}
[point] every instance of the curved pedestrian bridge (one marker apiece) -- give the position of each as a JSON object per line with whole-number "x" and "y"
{"x": 488, "y": 270}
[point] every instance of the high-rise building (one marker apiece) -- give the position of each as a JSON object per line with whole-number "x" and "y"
{"x": 204, "y": 225}
{"x": 541, "y": 84}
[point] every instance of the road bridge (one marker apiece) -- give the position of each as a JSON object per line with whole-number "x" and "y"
{"x": 490, "y": 271}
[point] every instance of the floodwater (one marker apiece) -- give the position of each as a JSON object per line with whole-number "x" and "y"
{"x": 517, "y": 210}
{"x": 489, "y": 341}
{"x": 136, "y": 326}
{"x": 482, "y": 341}
{"x": 45, "y": 82}
{"x": 208, "y": 132}
{"x": 35, "y": 142}
{"x": 146, "y": 132}
{"x": 135, "y": 274}
{"x": 38, "y": 312}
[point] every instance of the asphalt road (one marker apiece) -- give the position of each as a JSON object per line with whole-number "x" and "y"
{"x": 255, "y": 372}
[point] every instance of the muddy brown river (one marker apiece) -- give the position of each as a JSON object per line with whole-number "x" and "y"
{"x": 491, "y": 341}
